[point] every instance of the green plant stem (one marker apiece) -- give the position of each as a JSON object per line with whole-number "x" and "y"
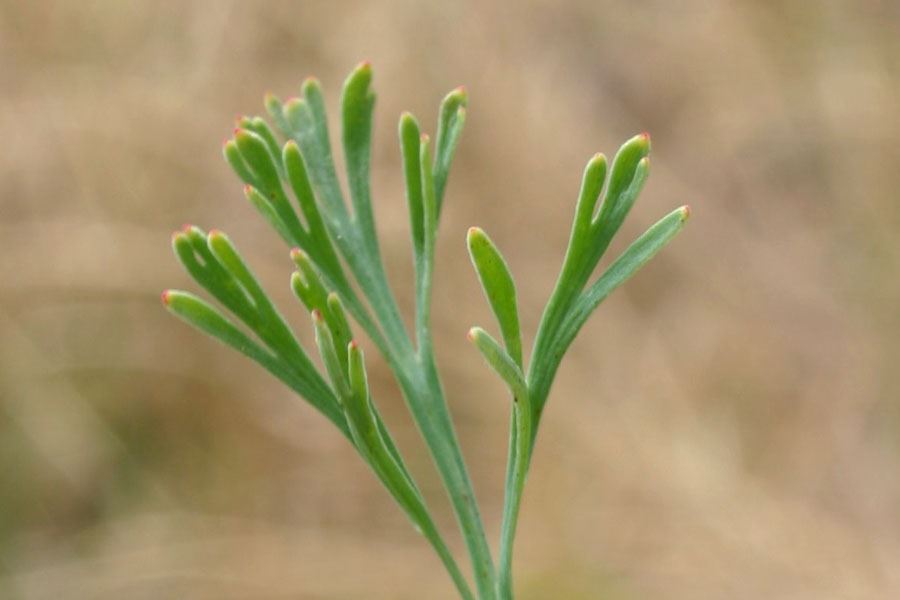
{"x": 431, "y": 533}
{"x": 516, "y": 473}
{"x": 425, "y": 398}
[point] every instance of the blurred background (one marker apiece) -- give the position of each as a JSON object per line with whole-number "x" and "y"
{"x": 726, "y": 426}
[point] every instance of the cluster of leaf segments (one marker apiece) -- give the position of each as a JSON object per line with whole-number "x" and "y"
{"x": 334, "y": 247}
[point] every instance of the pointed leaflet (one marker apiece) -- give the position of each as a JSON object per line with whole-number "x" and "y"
{"x": 340, "y": 327}
{"x": 309, "y": 128}
{"x": 357, "y": 102}
{"x": 257, "y": 156}
{"x": 409, "y": 148}
{"x": 425, "y": 265}
{"x": 499, "y": 289}
{"x": 500, "y": 361}
{"x": 634, "y": 257}
{"x": 623, "y": 168}
{"x": 589, "y": 239}
{"x": 591, "y": 186}
{"x": 192, "y": 251}
{"x": 629, "y": 171}
{"x": 319, "y": 243}
{"x": 260, "y": 168}
{"x": 271, "y": 326}
{"x": 233, "y": 157}
{"x": 320, "y": 246}
{"x": 325, "y": 342}
{"x": 206, "y": 318}
{"x": 376, "y": 441}
{"x": 450, "y": 125}
{"x": 309, "y": 287}
{"x": 275, "y": 108}
{"x": 268, "y": 212}
{"x": 259, "y": 126}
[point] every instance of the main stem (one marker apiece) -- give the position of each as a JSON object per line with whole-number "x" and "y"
{"x": 417, "y": 374}
{"x": 425, "y": 397}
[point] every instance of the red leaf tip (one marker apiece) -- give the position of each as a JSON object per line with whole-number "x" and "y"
{"x": 685, "y": 212}
{"x": 353, "y": 345}
{"x": 165, "y": 297}
{"x": 645, "y": 135}
{"x": 471, "y": 334}
{"x": 316, "y": 314}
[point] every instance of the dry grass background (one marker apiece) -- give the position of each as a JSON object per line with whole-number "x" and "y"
{"x": 727, "y": 426}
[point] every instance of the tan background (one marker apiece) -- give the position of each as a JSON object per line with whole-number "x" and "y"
{"x": 726, "y": 427}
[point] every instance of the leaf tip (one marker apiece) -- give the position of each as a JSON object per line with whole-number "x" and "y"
{"x": 461, "y": 95}
{"x": 309, "y": 84}
{"x": 685, "y": 213}
{"x": 597, "y": 161}
{"x": 456, "y": 98}
{"x": 165, "y": 297}
{"x": 644, "y": 139}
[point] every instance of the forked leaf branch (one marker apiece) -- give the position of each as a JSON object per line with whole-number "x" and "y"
{"x": 295, "y": 187}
